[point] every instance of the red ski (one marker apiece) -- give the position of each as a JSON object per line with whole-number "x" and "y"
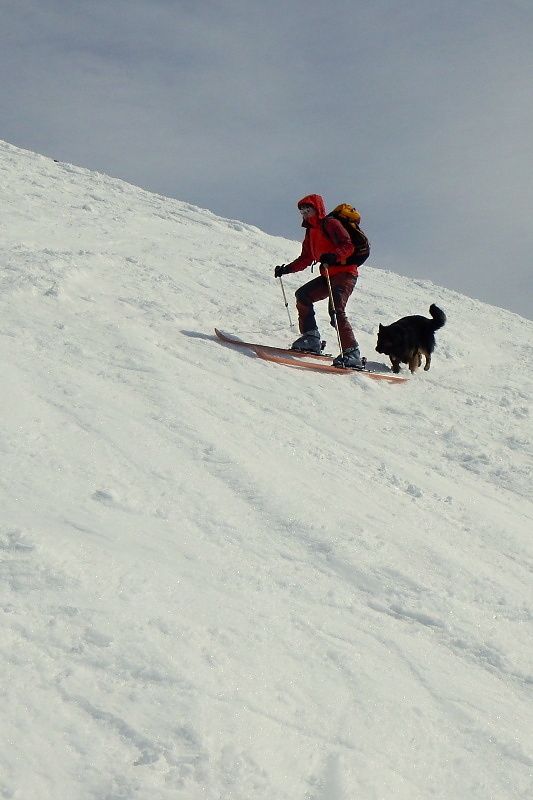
{"x": 275, "y": 350}
{"x": 300, "y": 363}
{"x": 299, "y": 360}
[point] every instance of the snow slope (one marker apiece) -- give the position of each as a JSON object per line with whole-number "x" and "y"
{"x": 224, "y": 579}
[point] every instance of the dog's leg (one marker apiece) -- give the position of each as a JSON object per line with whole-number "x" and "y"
{"x": 395, "y": 363}
{"x": 415, "y": 361}
{"x": 427, "y": 356}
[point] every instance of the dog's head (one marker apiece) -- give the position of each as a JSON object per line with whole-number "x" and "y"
{"x": 386, "y": 342}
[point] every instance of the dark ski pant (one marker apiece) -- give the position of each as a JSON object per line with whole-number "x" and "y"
{"x": 342, "y": 285}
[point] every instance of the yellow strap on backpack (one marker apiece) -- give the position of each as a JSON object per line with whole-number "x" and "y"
{"x": 348, "y": 212}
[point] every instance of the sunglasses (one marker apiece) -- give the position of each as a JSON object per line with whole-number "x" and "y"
{"x": 306, "y": 209}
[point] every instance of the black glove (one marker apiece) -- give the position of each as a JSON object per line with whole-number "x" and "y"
{"x": 328, "y": 259}
{"x": 283, "y": 269}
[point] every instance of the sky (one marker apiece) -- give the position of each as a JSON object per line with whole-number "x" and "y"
{"x": 419, "y": 114}
{"x": 226, "y": 579}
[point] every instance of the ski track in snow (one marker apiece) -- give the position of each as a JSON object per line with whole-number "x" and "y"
{"x": 223, "y": 579}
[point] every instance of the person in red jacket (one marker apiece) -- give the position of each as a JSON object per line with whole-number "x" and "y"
{"x": 326, "y": 241}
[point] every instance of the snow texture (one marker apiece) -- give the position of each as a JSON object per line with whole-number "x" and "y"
{"x": 224, "y": 579}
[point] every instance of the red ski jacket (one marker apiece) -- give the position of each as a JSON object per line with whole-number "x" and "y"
{"x": 323, "y": 236}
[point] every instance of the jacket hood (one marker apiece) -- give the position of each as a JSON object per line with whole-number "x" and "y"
{"x": 317, "y": 202}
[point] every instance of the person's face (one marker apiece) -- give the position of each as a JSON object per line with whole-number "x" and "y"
{"x": 307, "y": 211}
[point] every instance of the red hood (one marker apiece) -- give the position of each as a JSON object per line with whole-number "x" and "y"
{"x": 317, "y": 202}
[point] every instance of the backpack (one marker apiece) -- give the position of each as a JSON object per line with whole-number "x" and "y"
{"x": 349, "y": 219}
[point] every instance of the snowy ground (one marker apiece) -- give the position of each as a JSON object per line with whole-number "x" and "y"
{"x": 224, "y": 579}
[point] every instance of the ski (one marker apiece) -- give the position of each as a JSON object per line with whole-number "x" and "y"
{"x": 300, "y": 363}
{"x": 299, "y": 359}
{"x": 275, "y": 350}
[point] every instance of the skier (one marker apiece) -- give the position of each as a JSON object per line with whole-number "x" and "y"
{"x": 326, "y": 241}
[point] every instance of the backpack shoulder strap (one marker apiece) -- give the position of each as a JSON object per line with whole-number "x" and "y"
{"x": 328, "y": 233}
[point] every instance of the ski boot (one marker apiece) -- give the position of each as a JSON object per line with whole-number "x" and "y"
{"x": 308, "y": 342}
{"x": 349, "y": 359}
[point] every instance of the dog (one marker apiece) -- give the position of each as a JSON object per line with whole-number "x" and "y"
{"x": 410, "y": 338}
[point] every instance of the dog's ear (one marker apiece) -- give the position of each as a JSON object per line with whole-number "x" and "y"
{"x": 380, "y": 326}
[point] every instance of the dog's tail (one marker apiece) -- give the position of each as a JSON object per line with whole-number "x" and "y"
{"x": 439, "y": 317}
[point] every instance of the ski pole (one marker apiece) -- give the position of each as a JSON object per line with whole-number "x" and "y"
{"x": 333, "y": 309}
{"x": 285, "y": 301}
